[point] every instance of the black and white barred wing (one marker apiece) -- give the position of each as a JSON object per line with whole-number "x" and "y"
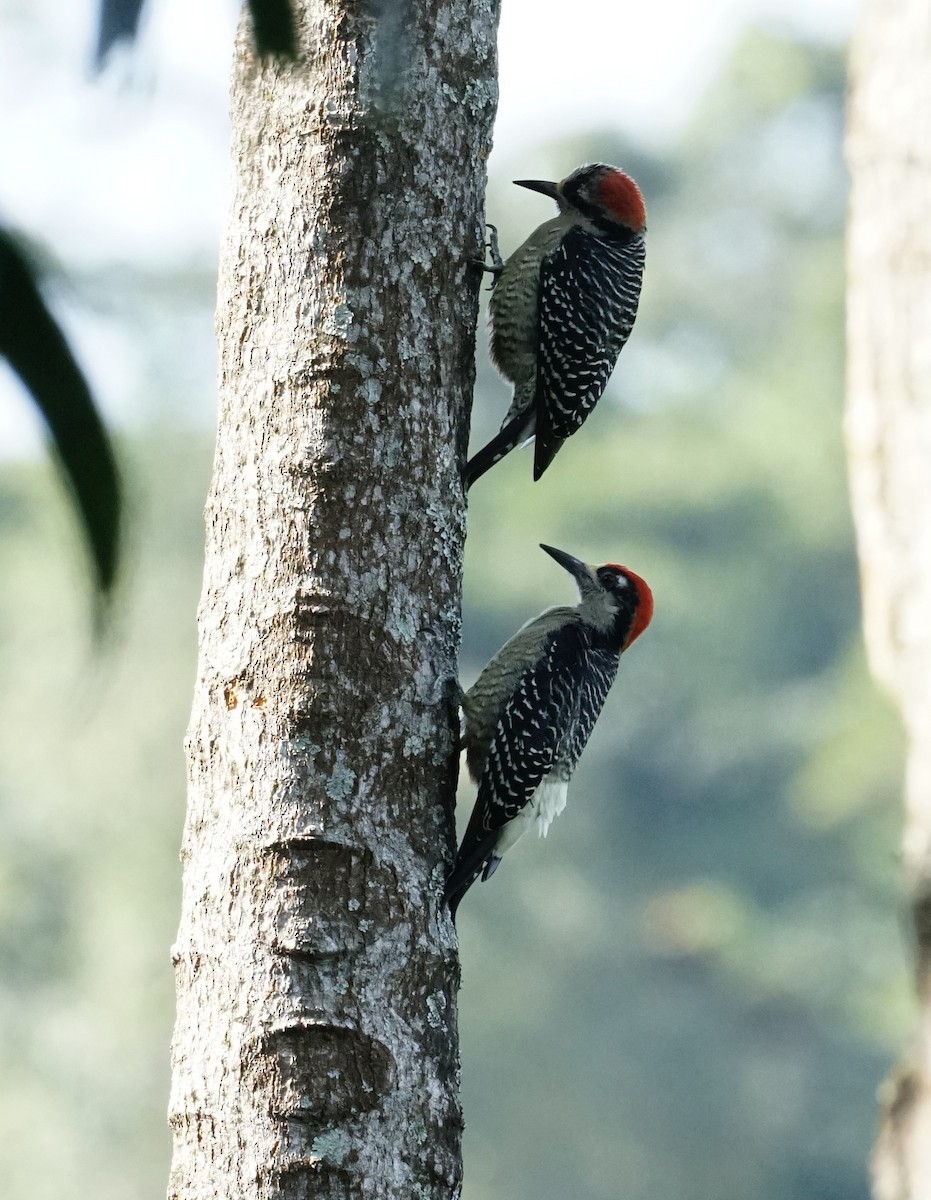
{"x": 540, "y": 735}
{"x": 589, "y": 292}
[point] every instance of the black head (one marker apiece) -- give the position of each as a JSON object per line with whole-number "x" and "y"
{"x": 605, "y": 195}
{"x": 613, "y": 598}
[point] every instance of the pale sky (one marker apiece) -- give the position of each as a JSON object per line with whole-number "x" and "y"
{"x": 101, "y": 174}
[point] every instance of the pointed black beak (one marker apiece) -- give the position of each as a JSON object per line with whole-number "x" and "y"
{"x": 576, "y": 568}
{"x": 540, "y": 185}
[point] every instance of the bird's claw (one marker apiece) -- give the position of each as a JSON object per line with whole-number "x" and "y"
{"x": 497, "y": 262}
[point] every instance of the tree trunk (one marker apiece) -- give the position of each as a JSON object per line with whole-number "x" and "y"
{"x": 889, "y": 437}
{"x": 315, "y": 1050}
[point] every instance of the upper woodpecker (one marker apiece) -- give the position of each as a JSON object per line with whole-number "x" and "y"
{"x": 562, "y": 307}
{"x": 532, "y": 709}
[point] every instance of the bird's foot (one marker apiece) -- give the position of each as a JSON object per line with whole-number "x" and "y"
{"x": 497, "y": 262}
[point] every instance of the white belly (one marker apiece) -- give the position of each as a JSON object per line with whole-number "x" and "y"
{"x": 548, "y": 802}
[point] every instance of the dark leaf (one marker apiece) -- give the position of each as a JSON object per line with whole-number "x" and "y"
{"x": 119, "y": 22}
{"x": 37, "y": 351}
{"x": 273, "y": 28}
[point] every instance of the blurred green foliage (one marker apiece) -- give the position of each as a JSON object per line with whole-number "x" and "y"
{"x": 91, "y": 806}
{"x": 692, "y": 988}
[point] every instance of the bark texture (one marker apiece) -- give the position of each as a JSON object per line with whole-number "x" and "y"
{"x": 889, "y": 440}
{"x": 315, "y": 1052}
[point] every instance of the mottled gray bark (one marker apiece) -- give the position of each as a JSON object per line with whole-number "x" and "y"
{"x": 889, "y": 438}
{"x": 315, "y": 1050}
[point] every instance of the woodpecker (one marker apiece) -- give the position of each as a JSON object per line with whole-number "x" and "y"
{"x": 533, "y": 707}
{"x": 561, "y": 309}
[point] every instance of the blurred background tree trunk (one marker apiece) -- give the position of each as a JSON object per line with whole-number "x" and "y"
{"x": 315, "y": 1049}
{"x": 889, "y": 440}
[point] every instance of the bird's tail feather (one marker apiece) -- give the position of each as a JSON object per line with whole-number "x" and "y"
{"x": 467, "y": 869}
{"x": 510, "y": 434}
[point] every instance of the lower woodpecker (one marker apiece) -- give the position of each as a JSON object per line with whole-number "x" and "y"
{"x": 532, "y": 709}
